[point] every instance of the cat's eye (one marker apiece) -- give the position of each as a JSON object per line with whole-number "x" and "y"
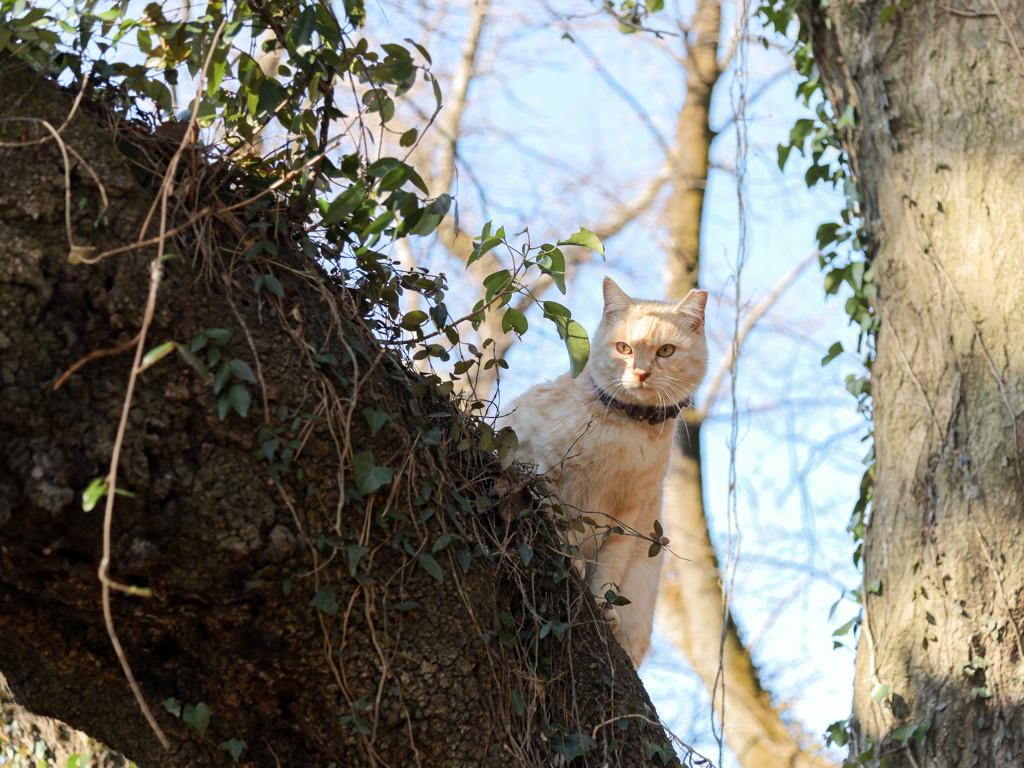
{"x": 623, "y": 347}
{"x": 666, "y": 350}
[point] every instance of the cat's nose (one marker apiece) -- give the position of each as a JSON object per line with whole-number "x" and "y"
{"x": 641, "y": 374}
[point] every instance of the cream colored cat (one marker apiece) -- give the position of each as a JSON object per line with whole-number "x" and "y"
{"x": 604, "y": 440}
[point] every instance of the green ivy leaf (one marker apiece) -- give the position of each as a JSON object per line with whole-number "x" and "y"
{"x": 513, "y": 319}
{"x": 218, "y": 336}
{"x": 845, "y": 628}
{"x": 496, "y": 282}
{"x": 552, "y": 263}
{"x": 173, "y": 706}
{"x": 903, "y": 734}
{"x": 195, "y": 362}
{"x": 325, "y": 601}
{"x": 784, "y": 150}
{"x": 612, "y": 597}
{"x": 431, "y": 216}
{"x": 344, "y": 204}
{"x": 827, "y": 234}
{"x": 93, "y": 493}
{"x": 271, "y": 283}
{"x": 414, "y": 319}
{"x": 572, "y": 333}
{"x": 222, "y": 378}
{"x": 238, "y": 399}
{"x": 369, "y": 477}
{"x": 526, "y": 554}
{"x": 833, "y": 352}
{"x": 375, "y": 419}
{"x": 847, "y": 119}
{"x": 242, "y": 370}
{"x": 518, "y": 705}
{"x": 587, "y": 239}
{"x": 355, "y": 553}
{"x": 837, "y": 733}
{"x": 234, "y": 748}
{"x": 921, "y": 731}
{"x": 156, "y": 354}
{"x": 198, "y": 717}
{"x": 431, "y": 566}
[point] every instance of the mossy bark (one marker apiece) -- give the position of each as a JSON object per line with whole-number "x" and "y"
{"x": 233, "y": 548}
{"x": 938, "y": 91}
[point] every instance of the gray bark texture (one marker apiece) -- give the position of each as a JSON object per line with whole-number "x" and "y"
{"x": 939, "y": 92}
{"x": 396, "y": 668}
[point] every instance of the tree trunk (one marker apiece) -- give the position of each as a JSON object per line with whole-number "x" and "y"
{"x": 690, "y": 604}
{"x": 318, "y": 620}
{"x": 939, "y": 91}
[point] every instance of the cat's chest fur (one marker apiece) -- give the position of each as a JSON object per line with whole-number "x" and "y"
{"x": 598, "y": 459}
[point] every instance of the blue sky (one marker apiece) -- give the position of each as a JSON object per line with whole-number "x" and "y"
{"x": 547, "y": 119}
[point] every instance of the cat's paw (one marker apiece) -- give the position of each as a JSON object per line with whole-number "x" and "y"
{"x": 610, "y": 615}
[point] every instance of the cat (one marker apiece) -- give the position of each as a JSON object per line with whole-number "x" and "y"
{"x": 604, "y": 440}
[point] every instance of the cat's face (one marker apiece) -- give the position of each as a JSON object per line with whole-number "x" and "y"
{"x": 649, "y": 352}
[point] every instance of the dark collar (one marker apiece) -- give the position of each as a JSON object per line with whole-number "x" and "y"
{"x": 652, "y": 414}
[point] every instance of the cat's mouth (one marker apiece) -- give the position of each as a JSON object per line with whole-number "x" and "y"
{"x": 641, "y": 390}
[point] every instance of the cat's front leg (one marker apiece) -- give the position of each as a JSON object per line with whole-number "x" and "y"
{"x": 607, "y": 574}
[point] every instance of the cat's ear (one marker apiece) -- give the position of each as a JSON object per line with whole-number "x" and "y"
{"x": 614, "y": 298}
{"x": 692, "y": 307}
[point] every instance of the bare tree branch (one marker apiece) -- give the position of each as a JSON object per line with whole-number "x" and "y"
{"x": 450, "y": 123}
{"x": 749, "y": 321}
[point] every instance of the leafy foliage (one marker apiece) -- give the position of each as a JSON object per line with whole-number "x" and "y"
{"x": 845, "y": 245}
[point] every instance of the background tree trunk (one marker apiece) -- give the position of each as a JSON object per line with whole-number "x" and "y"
{"x": 300, "y": 611}
{"x": 690, "y": 603}
{"x": 938, "y": 90}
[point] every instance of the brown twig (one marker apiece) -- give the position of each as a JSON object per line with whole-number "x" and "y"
{"x": 208, "y": 211}
{"x": 961, "y": 12}
{"x": 108, "y": 515}
{"x": 94, "y": 355}
{"x": 749, "y": 322}
{"x": 155, "y": 274}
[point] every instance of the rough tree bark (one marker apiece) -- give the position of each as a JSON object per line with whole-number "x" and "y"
{"x": 232, "y": 554}
{"x": 690, "y": 604}
{"x": 938, "y": 91}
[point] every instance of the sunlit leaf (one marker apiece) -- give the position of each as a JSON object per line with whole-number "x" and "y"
{"x": 93, "y": 493}
{"x": 587, "y": 239}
